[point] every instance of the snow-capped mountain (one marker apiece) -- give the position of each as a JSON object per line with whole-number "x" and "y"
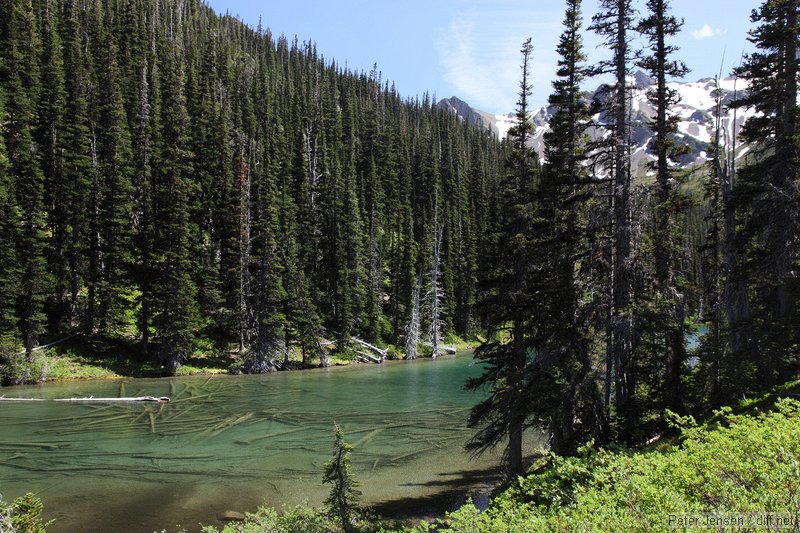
{"x": 696, "y": 126}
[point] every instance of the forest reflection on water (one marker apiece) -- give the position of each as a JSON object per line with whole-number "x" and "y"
{"x": 237, "y": 442}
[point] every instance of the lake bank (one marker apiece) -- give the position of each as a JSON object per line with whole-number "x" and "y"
{"x": 78, "y": 359}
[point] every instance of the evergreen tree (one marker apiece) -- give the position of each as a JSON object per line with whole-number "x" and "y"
{"x": 175, "y": 301}
{"x": 563, "y": 381}
{"x": 77, "y": 159}
{"x": 669, "y": 305}
{"x": 613, "y": 24}
{"x": 50, "y": 138}
{"x": 770, "y": 185}
{"x": 111, "y": 238}
{"x": 19, "y": 74}
{"x": 504, "y": 299}
{"x": 9, "y": 228}
{"x": 343, "y": 499}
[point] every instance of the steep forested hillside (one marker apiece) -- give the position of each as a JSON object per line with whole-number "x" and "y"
{"x": 171, "y": 177}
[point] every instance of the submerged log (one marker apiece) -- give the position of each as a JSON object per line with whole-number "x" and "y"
{"x": 156, "y": 399}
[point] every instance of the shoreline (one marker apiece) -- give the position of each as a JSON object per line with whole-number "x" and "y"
{"x": 69, "y": 366}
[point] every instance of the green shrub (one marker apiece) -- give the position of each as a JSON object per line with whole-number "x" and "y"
{"x": 747, "y": 466}
{"x": 17, "y": 369}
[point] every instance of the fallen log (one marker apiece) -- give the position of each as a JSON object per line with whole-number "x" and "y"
{"x": 369, "y": 357}
{"x": 156, "y": 399}
{"x": 383, "y": 353}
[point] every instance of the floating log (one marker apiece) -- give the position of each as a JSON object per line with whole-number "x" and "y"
{"x": 156, "y": 399}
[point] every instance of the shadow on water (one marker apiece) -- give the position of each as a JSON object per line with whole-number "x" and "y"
{"x": 453, "y": 490}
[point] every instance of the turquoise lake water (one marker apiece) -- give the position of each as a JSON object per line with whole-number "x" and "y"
{"x": 237, "y": 442}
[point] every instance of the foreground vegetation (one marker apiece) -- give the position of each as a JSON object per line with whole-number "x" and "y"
{"x": 22, "y": 515}
{"x": 743, "y": 461}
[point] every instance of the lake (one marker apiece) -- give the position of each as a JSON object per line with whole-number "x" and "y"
{"x": 237, "y": 442}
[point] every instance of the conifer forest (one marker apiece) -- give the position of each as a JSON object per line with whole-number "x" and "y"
{"x": 174, "y": 181}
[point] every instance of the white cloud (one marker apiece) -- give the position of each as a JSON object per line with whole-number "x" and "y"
{"x": 479, "y": 51}
{"x": 706, "y": 32}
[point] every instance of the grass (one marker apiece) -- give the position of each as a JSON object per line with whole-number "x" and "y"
{"x": 115, "y": 358}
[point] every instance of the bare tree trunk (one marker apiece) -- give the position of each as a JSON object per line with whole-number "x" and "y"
{"x": 435, "y": 292}
{"x": 737, "y": 303}
{"x": 412, "y": 328}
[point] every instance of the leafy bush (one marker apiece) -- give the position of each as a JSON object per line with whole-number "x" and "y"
{"x": 747, "y": 466}
{"x": 17, "y": 369}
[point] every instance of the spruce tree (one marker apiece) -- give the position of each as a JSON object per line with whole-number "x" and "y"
{"x": 669, "y": 300}
{"x": 343, "y": 499}
{"x": 9, "y": 261}
{"x": 564, "y": 382}
{"x": 111, "y": 237}
{"x": 613, "y": 24}
{"x": 503, "y": 299}
{"x": 78, "y": 173}
{"x": 175, "y": 305}
{"x": 770, "y": 185}
{"x": 19, "y": 74}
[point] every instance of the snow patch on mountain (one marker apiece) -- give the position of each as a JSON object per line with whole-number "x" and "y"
{"x": 695, "y": 112}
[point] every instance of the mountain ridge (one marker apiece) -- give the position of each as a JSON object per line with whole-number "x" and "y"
{"x": 695, "y": 112}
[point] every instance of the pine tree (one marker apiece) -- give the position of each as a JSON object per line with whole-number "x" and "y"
{"x": 9, "y": 261}
{"x": 343, "y": 499}
{"x": 175, "y": 316}
{"x": 50, "y": 138}
{"x": 504, "y": 300}
{"x": 111, "y": 236}
{"x": 613, "y": 24}
{"x": 669, "y": 298}
{"x": 19, "y": 74}
{"x": 770, "y": 185}
{"x": 77, "y": 160}
{"x": 563, "y": 382}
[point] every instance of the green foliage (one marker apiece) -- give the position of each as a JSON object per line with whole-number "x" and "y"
{"x": 23, "y": 515}
{"x": 343, "y": 499}
{"x": 749, "y": 464}
{"x": 300, "y": 519}
{"x": 218, "y": 184}
{"x": 17, "y": 368}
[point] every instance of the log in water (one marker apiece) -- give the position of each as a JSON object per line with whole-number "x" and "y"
{"x": 235, "y": 442}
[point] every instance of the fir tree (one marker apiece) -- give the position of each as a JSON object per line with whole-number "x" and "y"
{"x": 770, "y": 185}
{"x": 563, "y": 380}
{"x": 613, "y": 24}
{"x": 504, "y": 300}
{"x": 175, "y": 302}
{"x": 9, "y": 262}
{"x": 343, "y": 499}
{"x": 669, "y": 298}
{"x": 19, "y": 74}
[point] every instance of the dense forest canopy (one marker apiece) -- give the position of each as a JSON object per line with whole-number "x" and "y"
{"x": 595, "y": 279}
{"x": 178, "y": 180}
{"x": 173, "y": 176}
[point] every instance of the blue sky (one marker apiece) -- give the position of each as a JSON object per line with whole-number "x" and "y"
{"x": 470, "y": 48}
